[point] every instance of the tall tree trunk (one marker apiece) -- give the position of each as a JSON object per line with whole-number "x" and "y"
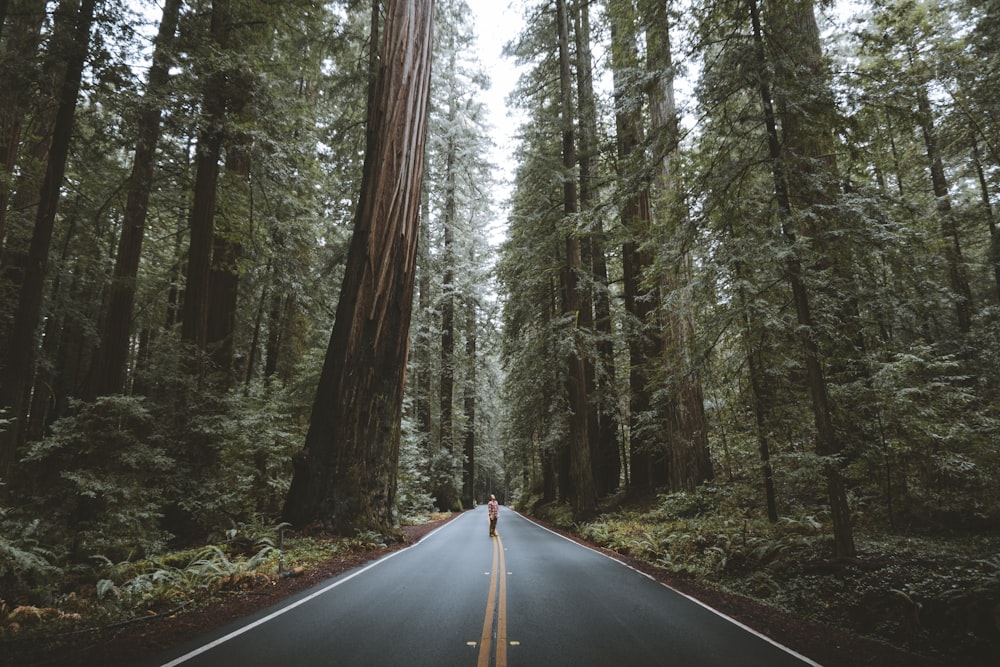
{"x": 644, "y": 341}
{"x": 27, "y": 147}
{"x": 762, "y": 402}
{"x": 424, "y": 380}
{"x": 227, "y": 252}
{"x": 686, "y": 426}
{"x": 584, "y": 498}
{"x": 826, "y": 439}
{"x": 16, "y": 371}
{"x": 280, "y": 318}
{"x": 984, "y": 191}
{"x": 446, "y": 389}
{"x": 469, "y": 406}
{"x": 249, "y": 366}
{"x": 346, "y": 473}
{"x": 194, "y": 311}
{"x": 958, "y": 281}
{"x": 20, "y": 48}
{"x": 601, "y": 426}
{"x": 116, "y": 329}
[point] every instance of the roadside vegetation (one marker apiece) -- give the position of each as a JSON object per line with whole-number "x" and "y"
{"x": 53, "y": 604}
{"x": 933, "y": 593}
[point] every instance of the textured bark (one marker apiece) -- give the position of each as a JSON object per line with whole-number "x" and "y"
{"x": 27, "y": 147}
{"x": 194, "y": 311}
{"x": 346, "y": 473}
{"x": 116, "y": 329}
{"x": 227, "y": 252}
{"x": 984, "y": 191}
{"x": 469, "y": 408}
{"x": 644, "y": 342}
{"x": 446, "y": 388}
{"x": 20, "y": 48}
{"x": 276, "y": 322}
{"x": 596, "y": 314}
{"x": 18, "y": 363}
{"x": 686, "y": 426}
{"x": 584, "y": 495}
{"x": 957, "y": 278}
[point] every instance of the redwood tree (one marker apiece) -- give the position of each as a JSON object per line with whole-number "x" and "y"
{"x": 17, "y": 365}
{"x": 584, "y": 493}
{"x": 827, "y": 442}
{"x": 116, "y": 327}
{"x": 346, "y": 472}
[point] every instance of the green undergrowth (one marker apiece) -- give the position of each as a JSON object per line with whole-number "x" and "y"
{"x": 60, "y": 601}
{"x": 934, "y": 594}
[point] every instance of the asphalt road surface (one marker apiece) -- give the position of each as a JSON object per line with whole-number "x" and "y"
{"x": 458, "y": 597}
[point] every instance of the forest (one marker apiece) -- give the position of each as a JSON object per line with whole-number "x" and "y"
{"x": 737, "y": 324}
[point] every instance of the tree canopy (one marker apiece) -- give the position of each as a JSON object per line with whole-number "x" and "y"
{"x": 750, "y": 253}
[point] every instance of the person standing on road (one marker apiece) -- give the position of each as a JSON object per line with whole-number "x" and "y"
{"x": 493, "y": 509}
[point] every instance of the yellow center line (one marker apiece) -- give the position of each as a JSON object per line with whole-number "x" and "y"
{"x": 485, "y": 640}
{"x": 502, "y": 611}
{"x": 495, "y": 611}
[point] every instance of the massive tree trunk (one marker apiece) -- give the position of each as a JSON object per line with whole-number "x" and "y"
{"x": 686, "y": 426}
{"x": 827, "y": 443}
{"x": 644, "y": 342}
{"x": 20, "y": 48}
{"x": 346, "y": 473}
{"x": 116, "y": 328}
{"x": 584, "y": 495}
{"x": 194, "y": 312}
{"x": 446, "y": 497}
{"x": 18, "y": 361}
{"x": 227, "y": 252}
{"x": 596, "y": 314}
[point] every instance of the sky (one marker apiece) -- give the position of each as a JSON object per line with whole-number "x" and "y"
{"x": 496, "y": 23}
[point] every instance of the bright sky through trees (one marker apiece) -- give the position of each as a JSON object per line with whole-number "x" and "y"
{"x": 497, "y": 23}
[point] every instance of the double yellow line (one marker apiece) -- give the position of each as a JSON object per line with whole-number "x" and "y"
{"x": 496, "y": 612}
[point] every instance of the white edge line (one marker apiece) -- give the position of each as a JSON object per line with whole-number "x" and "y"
{"x": 246, "y": 628}
{"x": 698, "y": 602}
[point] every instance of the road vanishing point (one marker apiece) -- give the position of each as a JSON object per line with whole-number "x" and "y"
{"x": 528, "y": 597}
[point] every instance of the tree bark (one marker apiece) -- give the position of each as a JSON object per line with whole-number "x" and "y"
{"x": 984, "y": 191}
{"x": 584, "y": 495}
{"x": 194, "y": 310}
{"x": 958, "y": 280}
{"x": 686, "y": 426}
{"x": 227, "y": 252}
{"x": 110, "y": 367}
{"x": 20, "y": 48}
{"x": 446, "y": 388}
{"x": 469, "y": 407}
{"x": 346, "y": 473}
{"x": 15, "y": 375}
{"x": 644, "y": 342}
{"x": 602, "y": 423}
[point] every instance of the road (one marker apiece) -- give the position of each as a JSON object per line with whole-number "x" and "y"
{"x": 458, "y": 597}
